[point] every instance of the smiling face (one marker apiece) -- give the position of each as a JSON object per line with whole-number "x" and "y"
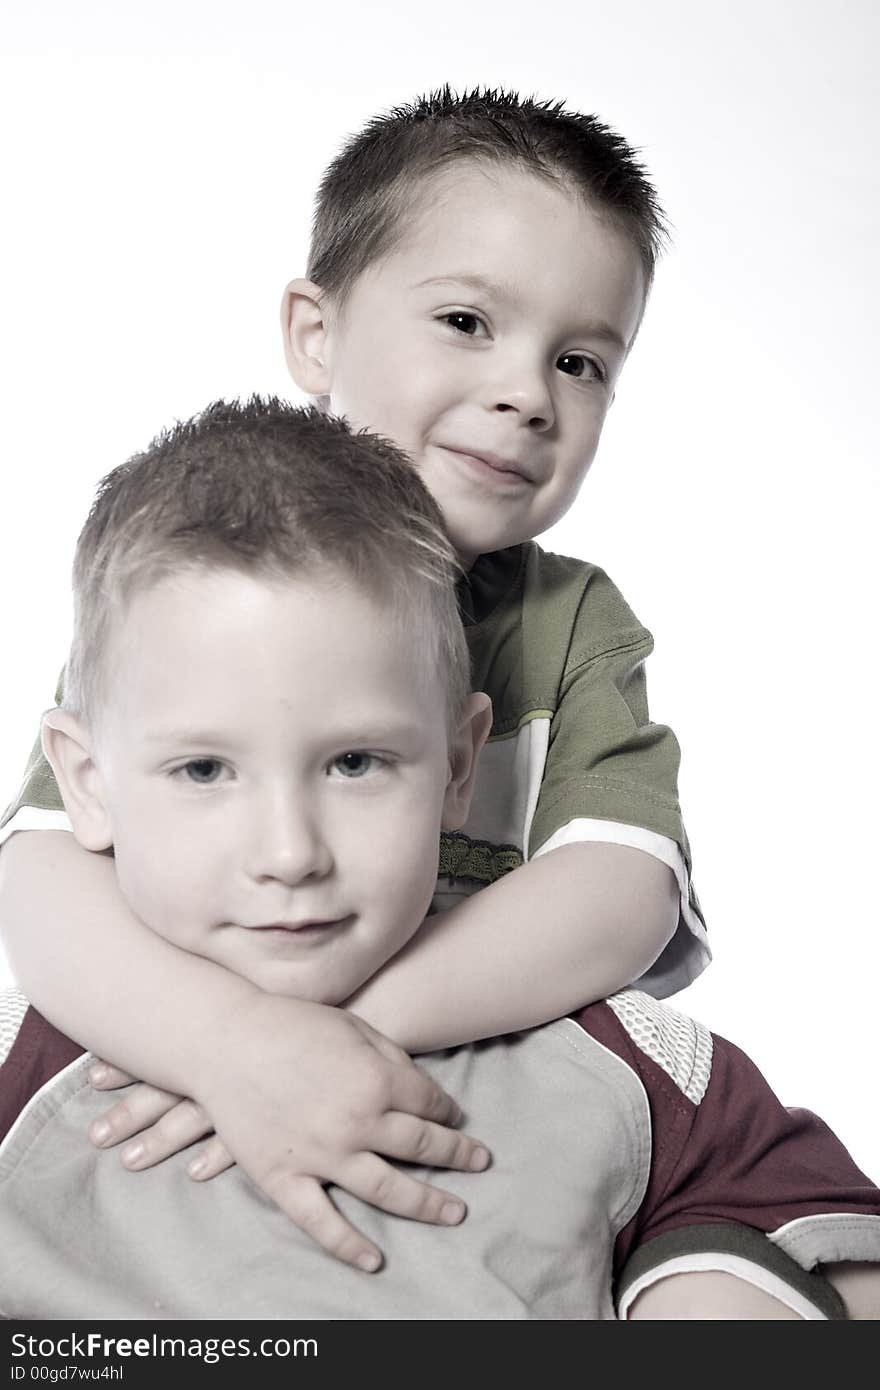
{"x": 275, "y": 769}
{"x": 487, "y": 344}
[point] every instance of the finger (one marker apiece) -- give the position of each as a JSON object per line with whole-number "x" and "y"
{"x": 211, "y": 1159}
{"x": 140, "y": 1107}
{"x": 308, "y": 1206}
{"x": 103, "y": 1076}
{"x": 176, "y": 1130}
{"x": 414, "y": 1092}
{"x": 421, "y": 1141}
{"x": 373, "y": 1180}
{"x": 411, "y": 1088}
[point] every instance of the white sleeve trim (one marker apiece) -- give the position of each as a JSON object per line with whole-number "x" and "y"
{"x": 537, "y": 733}
{"x": 724, "y": 1263}
{"x": 615, "y": 833}
{"x": 612, "y": 832}
{"x": 32, "y": 818}
{"x": 828, "y": 1237}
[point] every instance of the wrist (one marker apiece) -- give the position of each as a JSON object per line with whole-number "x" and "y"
{"x": 383, "y": 1003}
{"x": 238, "y": 1033}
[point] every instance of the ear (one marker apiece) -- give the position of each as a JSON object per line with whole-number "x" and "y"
{"x": 68, "y": 748}
{"x": 304, "y": 328}
{"x": 471, "y": 733}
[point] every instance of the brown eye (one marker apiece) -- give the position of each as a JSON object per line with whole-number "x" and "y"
{"x": 577, "y": 365}
{"x": 463, "y": 323}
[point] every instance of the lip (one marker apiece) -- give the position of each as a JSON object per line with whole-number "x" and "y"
{"x": 310, "y": 927}
{"x": 490, "y": 464}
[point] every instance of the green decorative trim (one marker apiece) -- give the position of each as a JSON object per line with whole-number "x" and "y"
{"x": 461, "y": 857}
{"x": 715, "y": 1238}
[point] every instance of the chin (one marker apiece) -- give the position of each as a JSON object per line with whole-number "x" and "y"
{"x": 280, "y": 982}
{"x": 313, "y": 992}
{"x": 342, "y": 991}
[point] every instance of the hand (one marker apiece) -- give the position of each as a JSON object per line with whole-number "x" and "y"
{"x": 162, "y": 1122}
{"x": 302, "y": 1095}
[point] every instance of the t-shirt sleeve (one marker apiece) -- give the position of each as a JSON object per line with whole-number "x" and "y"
{"x": 611, "y": 773}
{"x": 38, "y": 803}
{"x": 739, "y": 1182}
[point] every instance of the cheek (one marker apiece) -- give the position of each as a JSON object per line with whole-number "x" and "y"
{"x": 363, "y": 374}
{"x": 583, "y": 434}
{"x": 395, "y": 861}
{"x": 415, "y": 870}
{"x": 168, "y": 873}
{"x": 388, "y": 388}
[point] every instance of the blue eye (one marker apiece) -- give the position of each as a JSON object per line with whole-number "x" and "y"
{"x": 576, "y": 364}
{"x": 202, "y": 771}
{"x": 354, "y": 764}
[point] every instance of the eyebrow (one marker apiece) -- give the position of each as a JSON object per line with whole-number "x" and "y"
{"x": 474, "y": 282}
{"x": 193, "y": 736}
{"x": 359, "y": 735}
{"x": 595, "y": 328}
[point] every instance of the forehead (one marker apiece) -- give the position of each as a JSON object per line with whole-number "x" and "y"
{"x": 311, "y": 649}
{"x": 506, "y": 229}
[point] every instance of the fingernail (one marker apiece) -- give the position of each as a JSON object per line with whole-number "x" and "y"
{"x": 452, "y": 1212}
{"x": 133, "y": 1154}
{"x": 479, "y": 1160}
{"x": 369, "y": 1263}
{"x": 197, "y": 1167}
{"x": 98, "y": 1074}
{"x": 100, "y": 1132}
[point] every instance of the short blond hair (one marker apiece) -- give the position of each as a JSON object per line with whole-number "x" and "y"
{"x": 271, "y": 489}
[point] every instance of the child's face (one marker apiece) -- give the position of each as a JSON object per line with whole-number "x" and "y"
{"x": 487, "y": 344}
{"x": 274, "y": 766}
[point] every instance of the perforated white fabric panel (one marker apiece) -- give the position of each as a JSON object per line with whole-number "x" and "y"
{"x": 680, "y": 1046}
{"x": 13, "y": 1007}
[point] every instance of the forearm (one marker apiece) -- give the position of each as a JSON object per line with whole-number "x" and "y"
{"x": 564, "y": 930}
{"x": 96, "y": 972}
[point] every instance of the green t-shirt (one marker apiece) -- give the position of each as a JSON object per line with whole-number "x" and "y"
{"x": 573, "y": 754}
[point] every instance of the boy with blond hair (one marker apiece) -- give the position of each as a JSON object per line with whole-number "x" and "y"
{"x": 267, "y": 717}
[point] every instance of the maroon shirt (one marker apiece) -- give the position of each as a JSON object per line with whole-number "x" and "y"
{"x": 727, "y": 1169}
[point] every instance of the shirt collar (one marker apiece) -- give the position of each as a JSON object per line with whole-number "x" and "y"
{"x": 487, "y": 582}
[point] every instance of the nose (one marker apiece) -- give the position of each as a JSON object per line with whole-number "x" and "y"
{"x": 287, "y": 842}
{"x": 524, "y": 389}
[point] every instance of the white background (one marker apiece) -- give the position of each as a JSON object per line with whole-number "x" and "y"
{"x": 160, "y": 161}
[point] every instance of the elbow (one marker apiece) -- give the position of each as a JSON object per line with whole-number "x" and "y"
{"x": 651, "y": 916}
